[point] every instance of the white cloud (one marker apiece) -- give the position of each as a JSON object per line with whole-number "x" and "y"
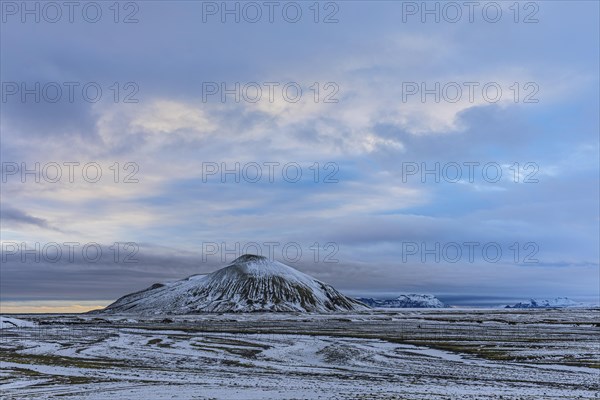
{"x": 167, "y": 116}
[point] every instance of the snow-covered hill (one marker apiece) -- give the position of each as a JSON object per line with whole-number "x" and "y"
{"x": 8, "y": 322}
{"x": 559, "y": 302}
{"x": 250, "y": 283}
{"x": 405, "y": 301}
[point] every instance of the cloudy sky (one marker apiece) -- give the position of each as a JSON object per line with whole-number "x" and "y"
{"x": 364, "y": 143}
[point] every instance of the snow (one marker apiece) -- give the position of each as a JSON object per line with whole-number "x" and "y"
{"x": 7, "y": 323}
{"x": 405, "y": 301}
{"x": 559, "y": 302}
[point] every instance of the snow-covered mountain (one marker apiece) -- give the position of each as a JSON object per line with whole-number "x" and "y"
{"x": 250, "y": 283}
{"x": 405, "y": 301}
{"x": 559, "y": 302}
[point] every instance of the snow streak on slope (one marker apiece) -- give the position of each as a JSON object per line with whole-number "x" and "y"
{"x": 251, "y": 283}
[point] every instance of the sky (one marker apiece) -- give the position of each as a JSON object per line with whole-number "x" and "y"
{"x": 382, "y": 147}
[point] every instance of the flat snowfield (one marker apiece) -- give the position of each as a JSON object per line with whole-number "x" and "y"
{"x": 394, "y": 354}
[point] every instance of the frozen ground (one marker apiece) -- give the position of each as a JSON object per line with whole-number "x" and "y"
{"x": 400, "y": 354}
{"x": 7, "y": 322}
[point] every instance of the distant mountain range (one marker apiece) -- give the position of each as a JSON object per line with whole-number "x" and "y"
{"x": 250, "y": 284}
{"x": 559, "y": 302}
{"x": 405, "y": 301}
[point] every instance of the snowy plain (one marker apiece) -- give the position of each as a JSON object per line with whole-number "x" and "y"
{"x": 386, "y": 354}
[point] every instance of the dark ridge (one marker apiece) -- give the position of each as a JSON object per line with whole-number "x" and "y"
{"x": 155, "y": 286}
{"x": 248, "y": 257}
